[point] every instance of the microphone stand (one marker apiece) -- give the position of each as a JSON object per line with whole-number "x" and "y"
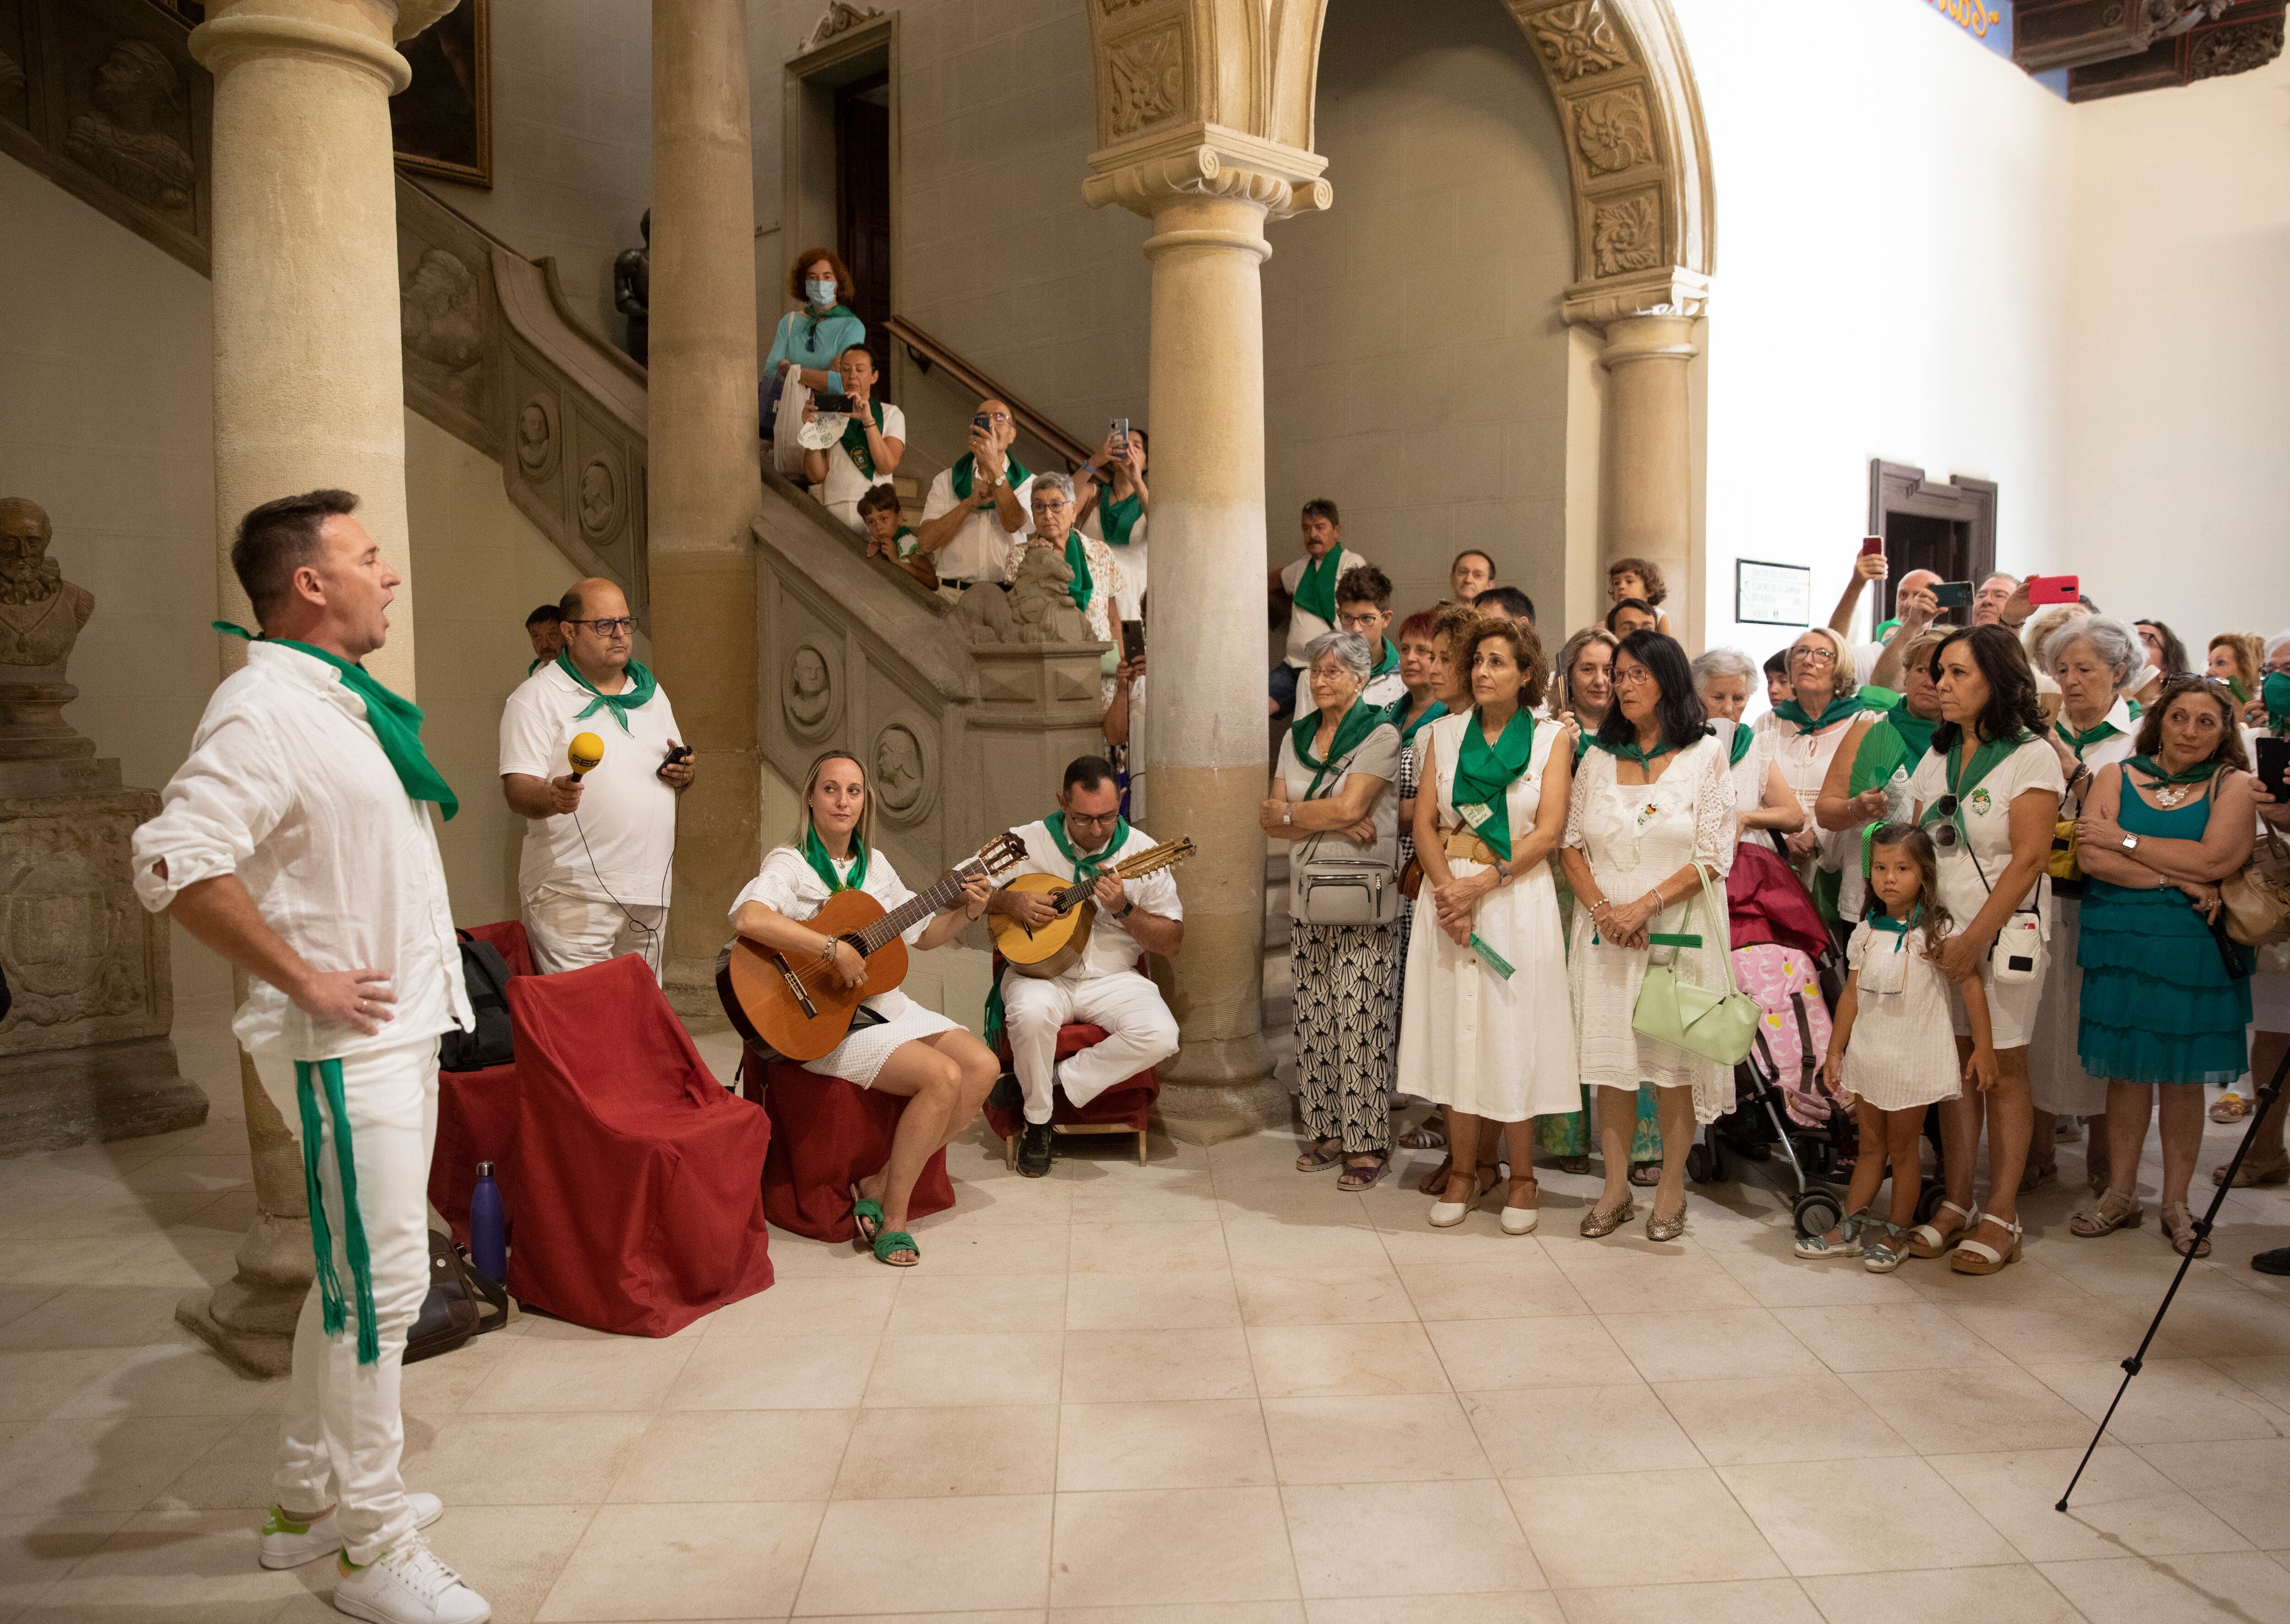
{"x": 2267, "y": 1099}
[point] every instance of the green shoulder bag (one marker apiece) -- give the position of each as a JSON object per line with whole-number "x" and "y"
{"x": 1718, "y": 1026}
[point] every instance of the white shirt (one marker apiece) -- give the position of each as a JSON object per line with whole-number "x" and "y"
{"x": 981, "y": 548}
{"x": 1382, "y": 690}
{"x": 287, "y": 788}
{"x": 1304, "y": 625}
{"x": 788, "y": 887}
{"x": 1965, "y": 879}
{"x": 845, "y": 483}
{"x": 620, "y": 844}
{"x": 1111, "y": 948}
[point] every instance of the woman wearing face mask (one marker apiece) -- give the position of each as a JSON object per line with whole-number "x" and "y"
{"x": 2163, "y": 1013}
{"x": 1988, "y": 793}
{"x": 2091, "y": 658}
{"x": 1880, "y": 750}
{"x": 1427, "y": 666}
{"x": 808, "y": 341}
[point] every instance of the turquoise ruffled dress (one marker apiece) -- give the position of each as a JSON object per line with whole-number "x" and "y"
{"x": 2158, "y": 1004}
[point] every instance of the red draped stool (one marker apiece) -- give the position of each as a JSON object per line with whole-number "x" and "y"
{"x": 827, "y": 1134}
{"x": 637, "y": 1186}
{"x": 476, "y": 1110}
{"x": 1122, "y": 1108}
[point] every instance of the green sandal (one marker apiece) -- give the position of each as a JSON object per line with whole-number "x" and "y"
{"x": 897, "y": 1240}
{"x": 865, "y": 1219}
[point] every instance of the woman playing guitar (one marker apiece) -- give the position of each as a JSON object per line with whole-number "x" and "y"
{"x": 942, "y": 1071}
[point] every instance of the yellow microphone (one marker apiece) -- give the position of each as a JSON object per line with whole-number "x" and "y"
{"x": 584, "y": 754}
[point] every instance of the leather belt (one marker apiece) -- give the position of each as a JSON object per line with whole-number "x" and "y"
{"x": 1463, "y": 842}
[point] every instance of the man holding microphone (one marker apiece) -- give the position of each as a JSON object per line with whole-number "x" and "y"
{"x": 594, "y": 880}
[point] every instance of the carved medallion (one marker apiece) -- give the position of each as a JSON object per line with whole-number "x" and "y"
{"x": 536, "y": 439}
{"x": 807, "y": 695}
{"x": 441, "y": 317}
{"x": 901, "y": 773}
{"x": 600, "y": 501}
{"x": 1612, "y": 132}
{"x": 133, "y": 135}
{"x": 1577, "y": 39}
{"x": 1626, "y": 235}
{"x": 1148, "y": 78}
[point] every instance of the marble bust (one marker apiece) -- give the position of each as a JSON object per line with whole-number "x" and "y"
{"x": 41, "y": 612}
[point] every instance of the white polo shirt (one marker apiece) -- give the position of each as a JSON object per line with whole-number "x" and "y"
{"x": 619, "y": 846}
{"x": 981, "y": 549}
{"x": 845, "y": 483}
{"x": 1304, "y": 625}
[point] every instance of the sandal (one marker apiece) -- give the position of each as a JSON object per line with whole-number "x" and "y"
{"x": 1446, "y": 1214}
{"x": 1848, "y": 1243}
{"x": 1429, "y": 1134}
{"x": 1979, "y": 1258}
{"x": 1928, "y": 1241}
{"x": 1888, "y": 1250}
{"x": 1645, "y": 1175}
{"x": 1361, "y": 1171}
{"x": 2229, "y": 1107}
{"x": 865, "y": 1219}
{"x": 893, "y": 1241}
{"x": 1521, "y": 1220}
{"x": 2036, "y": 1173}
{"x": 1573, "y": 1163}
{"x": 2179, "y": 1229}
{"x": 1320, "y": 1155}
{"x": 2113, "y": 1209}
{"x": 2251, "y": 1174}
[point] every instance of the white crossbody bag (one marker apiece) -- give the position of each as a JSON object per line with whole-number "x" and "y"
{"x": 1341, "y": 890}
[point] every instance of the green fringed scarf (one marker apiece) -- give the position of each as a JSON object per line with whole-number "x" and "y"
{"x": 1397, "y": 717}
{"x": 1085, "y": 584}
{"x": 309, "y": 1076}
{"x": 1983, "y": 762}
{"x": 395, "y": 721}
{"x": 1836, "y": 710}
{"x": 1084, "y": 868}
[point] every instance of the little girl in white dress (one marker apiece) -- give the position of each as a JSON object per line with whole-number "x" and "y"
{"x": 1894, "y": 1019}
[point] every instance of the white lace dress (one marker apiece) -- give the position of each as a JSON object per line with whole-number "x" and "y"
{"x": 1488, "y": 1047}
{"x": 1635, "y": 837}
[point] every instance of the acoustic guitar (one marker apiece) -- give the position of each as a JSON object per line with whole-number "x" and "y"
{"x": 798, "y": 1007}
{"x": 1048, "y": 951}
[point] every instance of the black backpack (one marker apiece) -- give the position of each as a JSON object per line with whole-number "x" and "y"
{"x": 485, "y": 974}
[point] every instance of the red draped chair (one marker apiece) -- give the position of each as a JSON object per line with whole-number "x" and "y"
{"x": 1125, "y": 1108}
{"x": 636, "y": 1187}
{"x": 476, "y": 1110}
{"x": 827, "y": 1134}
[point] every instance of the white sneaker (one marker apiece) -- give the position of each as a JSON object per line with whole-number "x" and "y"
{"x": 290, "y": 1544}
{"x": 410, "y": 1585}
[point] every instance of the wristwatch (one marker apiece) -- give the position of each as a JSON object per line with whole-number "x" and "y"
{"x": 1127, "y": 908}
{"x": 2131, "y": 843}
{"x": 1287, "y": 816}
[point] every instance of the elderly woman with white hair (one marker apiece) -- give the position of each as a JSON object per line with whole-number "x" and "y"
{"x": 1725, "y": 678}
{"x": 2094, "y": 659}
{"x": 1808, "y": 728}
{"x": 1330, "y": 798}
{"x": 1097, "y": 577}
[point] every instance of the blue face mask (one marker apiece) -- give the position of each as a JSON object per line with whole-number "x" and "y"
{"x": 2276, "y": 692}
{"x": 822, "y": 293}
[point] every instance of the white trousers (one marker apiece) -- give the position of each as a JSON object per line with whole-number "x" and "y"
{"x": 1141, "y": 1032}
{"x": 343, "y": 1433}
{"x": 569, "y": 932}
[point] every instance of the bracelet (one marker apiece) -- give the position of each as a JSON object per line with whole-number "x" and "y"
{"x": 1601, "y": 902}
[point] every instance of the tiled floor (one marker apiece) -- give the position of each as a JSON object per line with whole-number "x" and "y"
{"x": 1212, "y": 1388}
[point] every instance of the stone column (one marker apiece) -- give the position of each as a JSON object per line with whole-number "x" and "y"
{"x": 1648, "y": 473}
{"x": 1208, "y": 204}
{"x": 704, "y": 485}
{"x": 308, "y": 393}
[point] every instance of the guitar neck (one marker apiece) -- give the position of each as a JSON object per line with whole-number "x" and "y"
{"x": 1136, "y": 868}
{"x": 921, "y": 905}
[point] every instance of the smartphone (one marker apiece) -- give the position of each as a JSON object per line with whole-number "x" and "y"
{"x": 982, "y": 423}
{"x": 1952, "y": 594}
{"x": 676, "y": 753}
{"x": 2054, "y": 589}
{"x": 1872, "y": 544}
{"x": 1120, "y": 436}
{"x": 1133, "y": 640}
{"x": 2274, "y": 766}
{"x": 832, "y": 405}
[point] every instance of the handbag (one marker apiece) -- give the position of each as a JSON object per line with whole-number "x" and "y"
{"x": 1717, "y": 1026}
{"x": 1341, "y": 890}
{"x": 787, "y": 428}
{"x": 2063, "y": 864}
{"x": 1411, "y": 879}
{"x": 2257, "y": 898}
{"x": 459, "y": 1305}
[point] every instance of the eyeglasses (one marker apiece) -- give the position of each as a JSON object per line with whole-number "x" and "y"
{"x": 1094, "y": 819}
{"x": 1637, "y": 676}
{"x": 1819, "y": 657}
{"x": 1359, "y": 622}
{"x": 612, "y": 626}
{"x": 1941, "y": 823}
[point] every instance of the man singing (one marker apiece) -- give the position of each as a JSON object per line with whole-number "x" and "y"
{"x": 296, "y": 842}
{"x": 594, "y": 879}
{"x": 1086, "y": 836}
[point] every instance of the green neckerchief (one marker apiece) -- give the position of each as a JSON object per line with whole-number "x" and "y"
{"x": 966, "y": 464}
{"x": 395, "y": 721}
{"x": 1789, "y": 710}
{"x": 1397, "y": 717}
{"x": 901, "y": 534}
{"x": 1085, "y": 867}
{"x": 533, "y": 664}
{"x": 1356, "y": 724}
{"x": 1628, "y": 750}
{"x": 1885, "y": 628}
{"x": 1484, "y": 774}
{"x": 1742, "y": 739}
{"x": 640, "y": 689}
{"x": 815, "y": 852}
{"x": 1116, "y": 519}
{"x": 1899, "y": 927}
{"x": 1316, "y": 587}
{"x": 1389, "y": 662}
{"x": 1912, "y": 728}
{"x": 2201, "y": 772}
{"x": 310, "y": 1078}
{"x": 1983, "y": 761}
{"x": 854, "y": 440}
{"x": 1085, "y": 584}
{"x": 2082, "y": 741}
{"x": 814, "y": 316}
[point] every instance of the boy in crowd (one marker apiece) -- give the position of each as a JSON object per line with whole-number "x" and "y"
{"x": 889, "y": 537}
{"x": 1364, "y": 606}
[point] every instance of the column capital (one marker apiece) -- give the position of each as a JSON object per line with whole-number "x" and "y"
{"x": 1673, "y": 290}
{"x": 1205, "y": 161}
{"x": 237, "y": 29}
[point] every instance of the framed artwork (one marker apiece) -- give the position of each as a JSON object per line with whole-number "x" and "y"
{"x": 442, "y": 123}
{"x": 1771, "y": 593}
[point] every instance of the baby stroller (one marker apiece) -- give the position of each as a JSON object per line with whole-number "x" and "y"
{"x": 1779, "y": 946}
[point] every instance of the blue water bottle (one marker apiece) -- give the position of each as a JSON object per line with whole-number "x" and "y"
{"x": 488, "y": 1226}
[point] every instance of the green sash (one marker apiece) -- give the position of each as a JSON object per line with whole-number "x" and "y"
{"x": 1484, "y": 774}
{"x": 1357, "y": 724}
{"x": 395, "y": 721}
{"x": 309, "y": 1076}
{"x": 854, "y": 441}
{"x": 1085, "y": 585}
{"x": 1315, "y": 589}
{"x": 1789, "y": 710}
{"x": 966, "y": 465}
{"x": 815, "y": 852}
{"x": 815, "y": 317}
{"x": 1116, "y": 519}
{"x": 1397, "y": 717}
{"x": 641, "y": 687}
